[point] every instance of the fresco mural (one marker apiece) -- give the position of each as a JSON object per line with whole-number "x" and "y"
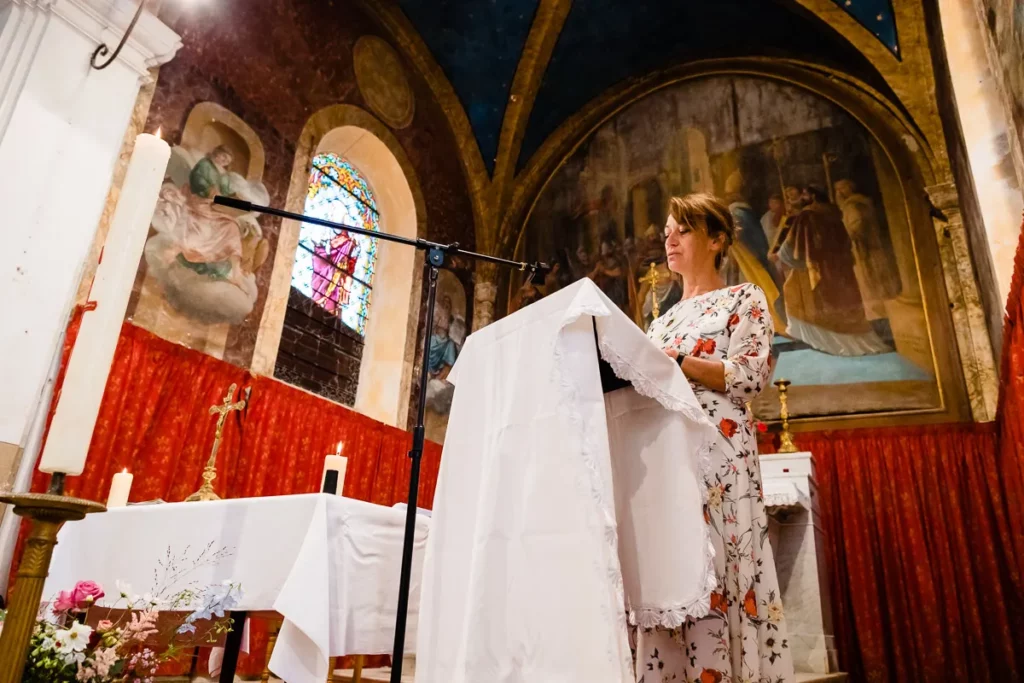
{"x": 201, "y": 259}
{"x": 446, "y": 340}
{"x": 822, "y": 230}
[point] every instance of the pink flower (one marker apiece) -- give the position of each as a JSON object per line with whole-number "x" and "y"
{"x": 65, "y": 601}
{"x": 86, "y": 593}
{"x": 104, "y": 625}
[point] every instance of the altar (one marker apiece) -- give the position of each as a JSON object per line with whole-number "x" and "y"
{"x": 329, "y": 566}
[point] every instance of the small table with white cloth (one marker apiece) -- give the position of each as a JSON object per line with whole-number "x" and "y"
{"x": 328, "y": 565}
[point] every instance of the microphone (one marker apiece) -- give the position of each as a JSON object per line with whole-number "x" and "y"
{"x": 540, "y": 268}
{"x": 233, "y": 203}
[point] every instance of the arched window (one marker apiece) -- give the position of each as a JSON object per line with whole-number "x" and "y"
{"x": 335, "y": 269}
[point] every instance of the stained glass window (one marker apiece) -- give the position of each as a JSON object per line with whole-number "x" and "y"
{"x": 335, "y": 269}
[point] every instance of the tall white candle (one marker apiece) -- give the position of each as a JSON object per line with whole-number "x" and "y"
{"x": 79, "y": 403}
{"x": 120, "y": 487}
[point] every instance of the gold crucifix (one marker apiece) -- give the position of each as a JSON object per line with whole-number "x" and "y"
{"x": 651, "y": 279}
{"x": 206, "y": 491}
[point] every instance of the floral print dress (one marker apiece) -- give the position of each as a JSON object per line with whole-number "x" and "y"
{"x": 743, "y": 638}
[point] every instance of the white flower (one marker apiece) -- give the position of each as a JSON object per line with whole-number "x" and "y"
{"x": 48, "y": 644}
{"x": 124, "y": 589}
{"x": 74, "y": 639}
{"x": 150, "y": 600}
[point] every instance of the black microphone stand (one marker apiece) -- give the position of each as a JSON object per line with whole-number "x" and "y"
{"x": 436, "y": 255}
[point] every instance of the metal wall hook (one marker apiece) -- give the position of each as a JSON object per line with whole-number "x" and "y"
{"x": 103, "y": 50}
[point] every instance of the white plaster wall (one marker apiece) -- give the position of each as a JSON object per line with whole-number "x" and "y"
{"x": 379, "y": 394}
{"x": 984, "y": 121}
{"x": 57, "y": 154}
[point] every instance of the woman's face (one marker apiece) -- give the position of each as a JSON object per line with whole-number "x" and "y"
{"x": 688, "y": 250}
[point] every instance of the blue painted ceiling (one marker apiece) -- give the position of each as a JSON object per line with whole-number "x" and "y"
{"x": 604, "y": 42}
{"x": 876, "y": 16}
{"x": 477, "y": 43}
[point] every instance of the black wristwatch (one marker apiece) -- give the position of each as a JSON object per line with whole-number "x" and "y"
{"x": 679, "y": 360}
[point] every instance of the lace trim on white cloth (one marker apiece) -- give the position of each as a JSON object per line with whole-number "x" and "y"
{"x": 650, "y": 617}
{"x": 606, "y": 507}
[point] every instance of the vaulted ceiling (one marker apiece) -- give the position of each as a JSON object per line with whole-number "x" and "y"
{"x": 478, "y": 44}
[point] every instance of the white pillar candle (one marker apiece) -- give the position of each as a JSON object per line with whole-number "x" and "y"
{"x": 120, "y": 487}
{"x": 79, "y": 403}
{"x": 339, "y": 463}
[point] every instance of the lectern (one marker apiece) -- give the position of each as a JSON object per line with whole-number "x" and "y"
{"x": 554, "y": 499}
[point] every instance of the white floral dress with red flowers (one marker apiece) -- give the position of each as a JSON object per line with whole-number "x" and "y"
{"x": 743, "y": 638}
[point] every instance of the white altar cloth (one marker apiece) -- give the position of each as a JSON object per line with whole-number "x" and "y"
{"x": 557, "y": 514}
{"x": 329, "y": 565}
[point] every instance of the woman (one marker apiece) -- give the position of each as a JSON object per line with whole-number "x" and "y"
{"x": 721, "y": 337}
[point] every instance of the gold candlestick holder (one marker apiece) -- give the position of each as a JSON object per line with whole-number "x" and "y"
{"x": 651, "y": 280}
{"x": 48, "y": 513}
{"x": 786, "y": 444}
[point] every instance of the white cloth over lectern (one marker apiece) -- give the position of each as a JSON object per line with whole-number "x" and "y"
{"x": 555, "y": 516}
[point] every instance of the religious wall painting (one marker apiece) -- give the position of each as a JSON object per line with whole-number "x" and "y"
{"x": 446, "y": 340}
{"x": 201, "y": 260}
{"x": 823, "y": 231}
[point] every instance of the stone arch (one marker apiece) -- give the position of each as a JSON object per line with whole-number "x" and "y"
{"x": 386, "y": 366}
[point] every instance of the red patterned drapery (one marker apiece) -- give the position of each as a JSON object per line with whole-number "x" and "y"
{"x": 919, "y": 553}
{"x": 1011, "y": 408}
{"x": 154, "y": 421}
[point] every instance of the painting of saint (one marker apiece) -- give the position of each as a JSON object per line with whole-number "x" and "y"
{"x": 823, "y": 302}
{"x": 874, "y": 266}
{"x": 804, "y": 185}
{"x": 446, "y": 340}
{"x": 204, "y": 256}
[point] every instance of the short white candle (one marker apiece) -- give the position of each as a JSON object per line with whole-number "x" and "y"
{"x": 120, "y": 487}
{"x": 338, "y": 463}
{"x": 79, "y": 403}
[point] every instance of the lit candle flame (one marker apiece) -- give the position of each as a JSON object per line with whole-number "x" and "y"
{"x": 157, "y": 133}
{"x": 341, "y": 444}
{"x": 124, "y": 471}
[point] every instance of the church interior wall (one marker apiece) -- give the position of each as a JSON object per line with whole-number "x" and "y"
{"x": 60, "y": 127}
{"x": 1004, "y": 45}
{"x": 979, "y": 140}
{"x": 266, "y": 104}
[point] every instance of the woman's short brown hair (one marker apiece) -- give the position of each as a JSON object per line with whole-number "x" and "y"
{"x": 704, "y": 211}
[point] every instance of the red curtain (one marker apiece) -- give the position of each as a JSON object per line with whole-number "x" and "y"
{"x": 919, "y": 553}
{"x": 154, "y": 421}
{"x": 1011, "y": 409}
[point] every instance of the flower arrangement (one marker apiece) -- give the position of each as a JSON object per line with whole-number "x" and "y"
{"x": 134, "y": 634}
{"x": 65, "y": 649}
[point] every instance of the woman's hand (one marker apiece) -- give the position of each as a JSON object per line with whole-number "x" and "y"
{"x": 706, "y": 371}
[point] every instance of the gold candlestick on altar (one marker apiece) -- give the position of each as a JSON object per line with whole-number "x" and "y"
{"x": 206, "y": 491}
{"x": 786, "y": 444}
{"x": 651, "y": 280}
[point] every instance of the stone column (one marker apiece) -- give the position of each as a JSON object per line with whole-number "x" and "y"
{"x": 62, "y": 124}
{"x": 966, "y": 307}
{"x": 485, "y": 291}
